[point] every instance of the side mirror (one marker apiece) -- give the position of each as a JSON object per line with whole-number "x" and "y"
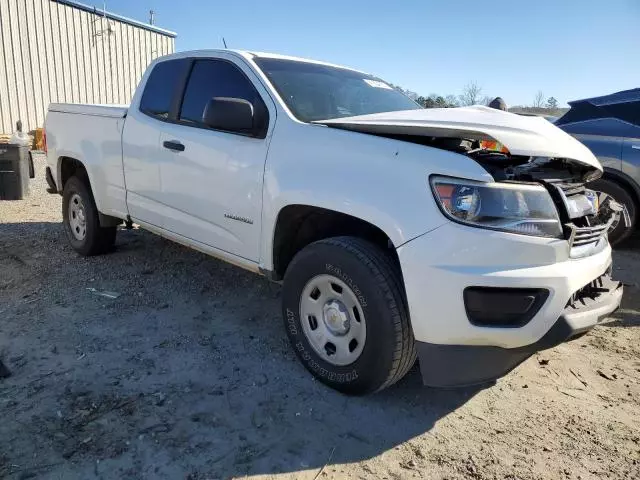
{"x": 229, "y": 114}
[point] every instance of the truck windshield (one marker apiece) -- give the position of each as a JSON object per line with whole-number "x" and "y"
{"x": 321, "y": 92}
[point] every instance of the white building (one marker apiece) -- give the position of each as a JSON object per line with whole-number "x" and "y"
{"x": 65, "y": 51}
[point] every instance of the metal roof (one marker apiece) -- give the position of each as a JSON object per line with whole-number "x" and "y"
{"x": 118, "y": 18}
{"x": 624, "y": 96}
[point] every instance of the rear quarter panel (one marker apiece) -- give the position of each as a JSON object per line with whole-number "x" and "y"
{"x": 95, "y": 141}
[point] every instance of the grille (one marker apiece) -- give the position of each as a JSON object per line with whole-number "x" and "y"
{"x": 584, "y": 230}
{"x": 570, "y": 189}
{"x": 587, "y": 235}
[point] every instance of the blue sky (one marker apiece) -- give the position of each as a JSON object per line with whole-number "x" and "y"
{"x": 569, "y": 49}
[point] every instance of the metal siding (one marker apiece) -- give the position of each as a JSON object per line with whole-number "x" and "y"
{"x": 94, "y": 52}
{"x": 22, "y": 62}
{"x": 130, "y": 57}
{"x": 119, "y": 59}
{"x": 126, "y": 67}
{"x": 147, "y": 48}
{"x": 67, "y": 87}
{"x": 32, "y": 51}
{"x": 21, "y": 111}
{"x": 42, "y": 91}
{"x": 74, "y": 65}
{"x": 60, "y": 93}
{"x": 138, "y": 46}
{"x": 7, "y": 94}
{"x": 109, "y": 40}
{"x": 84, "y": 42}
{"x": 49, "y": 52}
{"x": 79, "y": 53}
{"x": 102, "y": 59}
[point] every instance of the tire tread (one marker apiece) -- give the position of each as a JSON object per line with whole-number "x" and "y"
{"x": 388, "y": 278}
{"x": 99, "y": 239}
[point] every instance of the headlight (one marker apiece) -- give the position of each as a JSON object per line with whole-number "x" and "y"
{"x": 515, "y": 208}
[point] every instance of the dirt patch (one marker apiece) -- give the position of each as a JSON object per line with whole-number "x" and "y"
{"x": 187, "y": 373}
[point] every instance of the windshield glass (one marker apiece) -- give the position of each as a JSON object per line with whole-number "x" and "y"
{"x": 321, "y": 92}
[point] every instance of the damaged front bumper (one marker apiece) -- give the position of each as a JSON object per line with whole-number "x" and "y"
{"x": 462, "y": 365}
{"x": 535, "y": 293}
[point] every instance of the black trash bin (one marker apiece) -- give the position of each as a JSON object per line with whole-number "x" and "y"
{"x": 14, "y": 171}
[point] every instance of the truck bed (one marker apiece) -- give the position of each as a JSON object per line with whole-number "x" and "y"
{"x": 93, "y": 134}
{"x": 114, "y": 111}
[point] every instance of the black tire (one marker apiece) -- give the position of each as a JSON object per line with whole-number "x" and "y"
{"x": 621, "y": 195}
{"x": 97, "y": 239}
{"x": 389, "y": 349}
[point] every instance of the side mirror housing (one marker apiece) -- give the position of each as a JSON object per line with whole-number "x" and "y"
{"x": 229, "y": 114}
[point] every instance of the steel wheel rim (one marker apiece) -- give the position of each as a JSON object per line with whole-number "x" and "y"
{"x": 77, "y": 217}
{"x": 333, "y": 320}
{"x": 615, "y": 223}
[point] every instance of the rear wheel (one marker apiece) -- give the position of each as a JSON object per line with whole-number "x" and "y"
{"x": 345, "y": 314}
{"x": 619, "y": 231}
{"x": 82, "y": 222}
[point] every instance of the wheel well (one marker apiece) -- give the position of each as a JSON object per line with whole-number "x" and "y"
{"x": 70, "y": 167}
{"x": 299, "y": 225}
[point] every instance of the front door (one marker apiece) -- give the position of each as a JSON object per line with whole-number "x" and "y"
{"x": 631, "y": 154}
{"x": 212, "y": 180}
{"x": 140, "y": 149}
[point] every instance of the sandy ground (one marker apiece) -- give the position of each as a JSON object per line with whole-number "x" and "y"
{"x": 188, "y": 374}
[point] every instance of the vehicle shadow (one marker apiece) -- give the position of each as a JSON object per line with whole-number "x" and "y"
{"x": 624, "y": 318}
{"x": 631, "y": 244}
{"x": 197, "y": 347}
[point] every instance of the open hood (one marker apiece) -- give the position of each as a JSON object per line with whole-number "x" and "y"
{"x": 522, "y": 135}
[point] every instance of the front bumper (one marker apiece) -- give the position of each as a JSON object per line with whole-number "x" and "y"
{"x": 461, "y": 365}
{"x": 439, "y": 266}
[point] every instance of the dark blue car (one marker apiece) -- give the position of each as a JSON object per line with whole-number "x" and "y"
{"x": 610, "y": 127}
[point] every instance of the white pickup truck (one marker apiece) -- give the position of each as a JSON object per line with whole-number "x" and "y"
{"x": 396, "y": 231}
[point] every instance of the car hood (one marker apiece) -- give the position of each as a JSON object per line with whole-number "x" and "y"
{"x": 522, "y": 135}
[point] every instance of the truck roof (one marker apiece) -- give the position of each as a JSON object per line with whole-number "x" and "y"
{"x": 254, "y": 54}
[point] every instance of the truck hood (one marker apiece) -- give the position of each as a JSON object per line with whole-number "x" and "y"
{"x": 522, "y": 135}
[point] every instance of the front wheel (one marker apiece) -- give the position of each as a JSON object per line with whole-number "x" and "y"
{"x": 345, "y": 314}
{"x": 82, "y": 222}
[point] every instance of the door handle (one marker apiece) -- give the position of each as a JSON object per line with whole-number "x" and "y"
{"x": 635, "y": 147}
{"x": 173, "y": 145}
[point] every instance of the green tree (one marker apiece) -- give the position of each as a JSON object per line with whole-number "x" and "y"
{"x": 552, "y": 103}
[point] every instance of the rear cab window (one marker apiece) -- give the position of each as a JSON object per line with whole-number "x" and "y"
{"x": 162, "y": 87}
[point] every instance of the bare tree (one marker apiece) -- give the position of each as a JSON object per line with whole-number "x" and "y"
{"x": 485, "y": 100}
{"x": 471, "y": 94}
{"x": 538, "y": 101}
{"x": 452, "y": 100}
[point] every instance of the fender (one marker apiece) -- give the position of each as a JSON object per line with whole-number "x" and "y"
{"x": 625, "y": 179}
{"x": 382, "y": 181}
